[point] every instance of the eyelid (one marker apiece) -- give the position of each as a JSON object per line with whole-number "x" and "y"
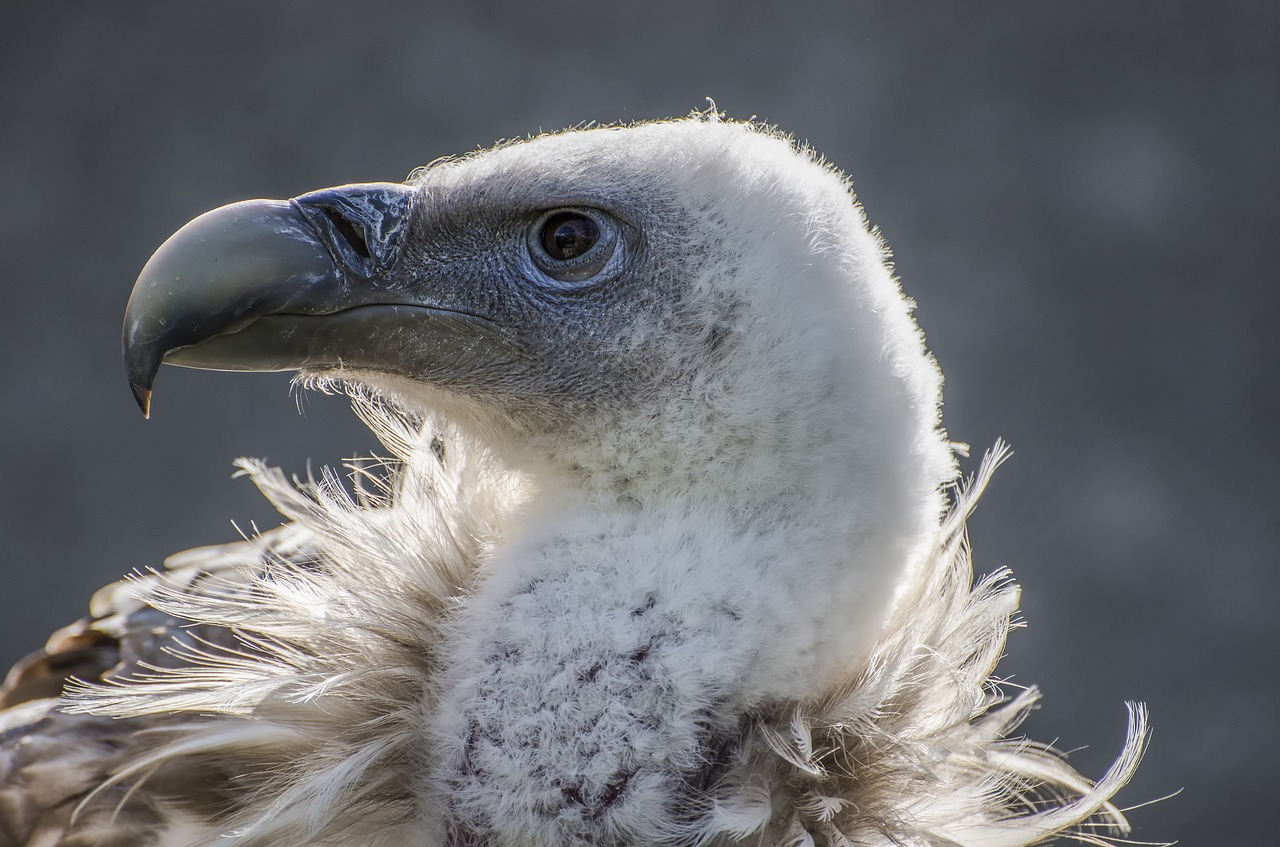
{"x": 574, "y": 273}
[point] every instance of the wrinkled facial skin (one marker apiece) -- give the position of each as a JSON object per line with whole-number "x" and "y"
{"x": 576, "y": 347}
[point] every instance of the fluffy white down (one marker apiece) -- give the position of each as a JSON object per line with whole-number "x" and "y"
{"x": 514, "y": 616}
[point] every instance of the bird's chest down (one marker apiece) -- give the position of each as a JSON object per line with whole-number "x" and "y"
{"x": 585, "y": 712}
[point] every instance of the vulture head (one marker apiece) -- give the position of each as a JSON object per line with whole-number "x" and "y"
{"x": 713, "y": 598}
{"x": 683, "y": 309}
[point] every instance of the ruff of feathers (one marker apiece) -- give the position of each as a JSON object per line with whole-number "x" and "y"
{"x": 312, "y": 729}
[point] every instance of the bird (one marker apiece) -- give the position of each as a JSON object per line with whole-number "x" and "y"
{"x": 668, "y": 548}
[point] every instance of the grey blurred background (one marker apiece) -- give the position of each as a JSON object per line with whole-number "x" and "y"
{"x": 1082, "y": 197}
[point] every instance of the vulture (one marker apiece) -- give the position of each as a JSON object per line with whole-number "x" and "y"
{"x": 669, "y": 548}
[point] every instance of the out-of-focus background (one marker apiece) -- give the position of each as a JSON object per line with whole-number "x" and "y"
{"x": 1081, "y": 196}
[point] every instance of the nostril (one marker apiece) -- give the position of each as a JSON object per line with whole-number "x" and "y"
{"x": 352, "y": 231}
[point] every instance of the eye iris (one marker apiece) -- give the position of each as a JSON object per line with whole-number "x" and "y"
{"x": 568, "y": 235}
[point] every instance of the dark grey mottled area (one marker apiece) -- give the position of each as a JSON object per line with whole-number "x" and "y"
{"x": 1082, "y": 197}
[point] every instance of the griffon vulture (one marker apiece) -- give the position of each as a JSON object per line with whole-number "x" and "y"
{"x": 671, "y": 550}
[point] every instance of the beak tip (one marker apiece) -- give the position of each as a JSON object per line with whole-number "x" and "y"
{"x": 142, "y": 394}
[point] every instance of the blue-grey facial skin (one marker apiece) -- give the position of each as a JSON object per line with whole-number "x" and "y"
{"x": 349, "y": 277}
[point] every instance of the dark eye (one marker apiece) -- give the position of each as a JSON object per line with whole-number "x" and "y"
{"x": 568, "y": 235}
{"x": 573, "y": 245}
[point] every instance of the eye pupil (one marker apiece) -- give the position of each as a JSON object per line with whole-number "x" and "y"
{"x": 569, "y": 235}
{"x": 572, "y": 246}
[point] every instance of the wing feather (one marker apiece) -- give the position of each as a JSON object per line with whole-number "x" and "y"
{"x": 56, "y": 768}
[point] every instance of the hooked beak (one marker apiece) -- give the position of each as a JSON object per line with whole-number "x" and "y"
{"x": 268, "y": 285}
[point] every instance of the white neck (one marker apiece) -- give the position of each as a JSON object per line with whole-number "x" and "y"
{"x": 628, "y": 629}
